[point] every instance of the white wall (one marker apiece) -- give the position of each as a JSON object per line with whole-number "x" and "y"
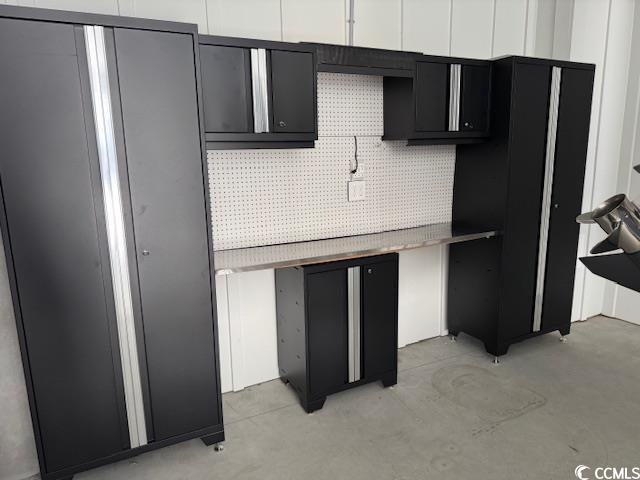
{"x": 601, "y": 34}
{"x": 619, "y": 301}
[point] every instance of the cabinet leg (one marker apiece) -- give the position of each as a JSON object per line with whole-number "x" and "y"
{"x": 214, "y": 439}
{"x": 313, "y": 405}
{"x": 496, "y": 350}
{"x": 284, "y": 380}
{"x": 565, "y": 331}
{"x": 390, "y": 380}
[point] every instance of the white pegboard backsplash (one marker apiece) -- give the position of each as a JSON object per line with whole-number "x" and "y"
{"x": 265, "y": 197}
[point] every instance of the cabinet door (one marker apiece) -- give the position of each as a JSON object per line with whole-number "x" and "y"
{"x": 527, "y": 149}
{"x": 164, "y": 159}
{"x": 327, "y": 330}
{"x": 570, "y": 157}
{"x": 226, "y": 78}
{"x": 379, "y": 317}
{"x": 474, "y": 98}
{"x": 293, "y": 92}
{"x": 432, "y": 96}
{"x": 54, "y": 236}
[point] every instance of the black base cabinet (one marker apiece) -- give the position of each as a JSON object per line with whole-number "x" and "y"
{"x": 337, "y": 326}
{"x": 105, "y": 223}
{"x": 527, "y": 183}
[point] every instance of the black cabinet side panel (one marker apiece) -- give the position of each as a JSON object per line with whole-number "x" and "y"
{"x": 474, "y": 98}
{"x": 162, "y": 138}
{"x": 379, "y": 294}
{"x": 473, "y": 289}
{"x": 327, "y": 331}
{"x": 432, "y": 96}
{"x": 398, "y": 107}
{"x": 574, "y": 114}
{"x": 293, "y": 91}
{"x": 527, "y": 148}
{"x": 53, "y": 239}
{"x": 290, "y": 322}
{"x": 226, "y": 85}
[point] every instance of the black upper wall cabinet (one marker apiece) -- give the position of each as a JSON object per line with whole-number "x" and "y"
{"x": 258, "y": 94}
{"x": 474, "y": 98}
{"x": 292, "y": 94}
{"x": 431, "y": 96}
{"x": 446, "y": 101}
{"x": 226, "y": 71}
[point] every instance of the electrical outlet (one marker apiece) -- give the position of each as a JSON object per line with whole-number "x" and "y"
{"x": 356, "y": 190}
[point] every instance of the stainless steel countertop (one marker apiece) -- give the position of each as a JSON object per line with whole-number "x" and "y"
{"x": 343, "y": 248}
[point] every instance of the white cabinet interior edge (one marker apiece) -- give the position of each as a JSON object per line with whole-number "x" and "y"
{"x": 114, "y": 217}
{"x": 552, "y": 128}
{"x": 354, "y": 330}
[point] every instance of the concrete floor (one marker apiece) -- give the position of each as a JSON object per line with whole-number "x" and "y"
{"x": 453, "y": 415}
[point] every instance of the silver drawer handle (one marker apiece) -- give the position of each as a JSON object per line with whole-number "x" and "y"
{"x": 282, "y": 123}
{"x": 145, "y": 253}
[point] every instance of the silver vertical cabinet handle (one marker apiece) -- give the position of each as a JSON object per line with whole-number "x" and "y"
{"x": 145, "y": 253}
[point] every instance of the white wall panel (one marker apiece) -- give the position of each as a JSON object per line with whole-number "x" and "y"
{"x": 419, "y": 294}
{"x": 378, "y": 24}
{"x": 253, "y": 332}
{"x": 509, "y": 27}
{"x": 425, "y": 26}
{"x": 472, "y": 28}
{"x": 245, "y": 18}
{"x": 314, "y": 21}
{"x": 190, "y": 11}
{"x": 563, "y": 27}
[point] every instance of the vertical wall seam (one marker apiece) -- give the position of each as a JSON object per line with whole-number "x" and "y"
{"x": 444, "y": 288}
{"x": 206, "y": 15}
{"x": 229, "y": 341}
{"x": 493, "y": 28}
{"x": 401, "y": 24}
{"x": 450, "y": 26}
{"x": 281, "y": 23}
{"x": 526, "y": 28}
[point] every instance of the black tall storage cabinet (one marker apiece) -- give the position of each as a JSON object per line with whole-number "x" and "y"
{"x": 526, "y": 182}
{"x": 337, "y": 326}
{"x": 106, "y": 231}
